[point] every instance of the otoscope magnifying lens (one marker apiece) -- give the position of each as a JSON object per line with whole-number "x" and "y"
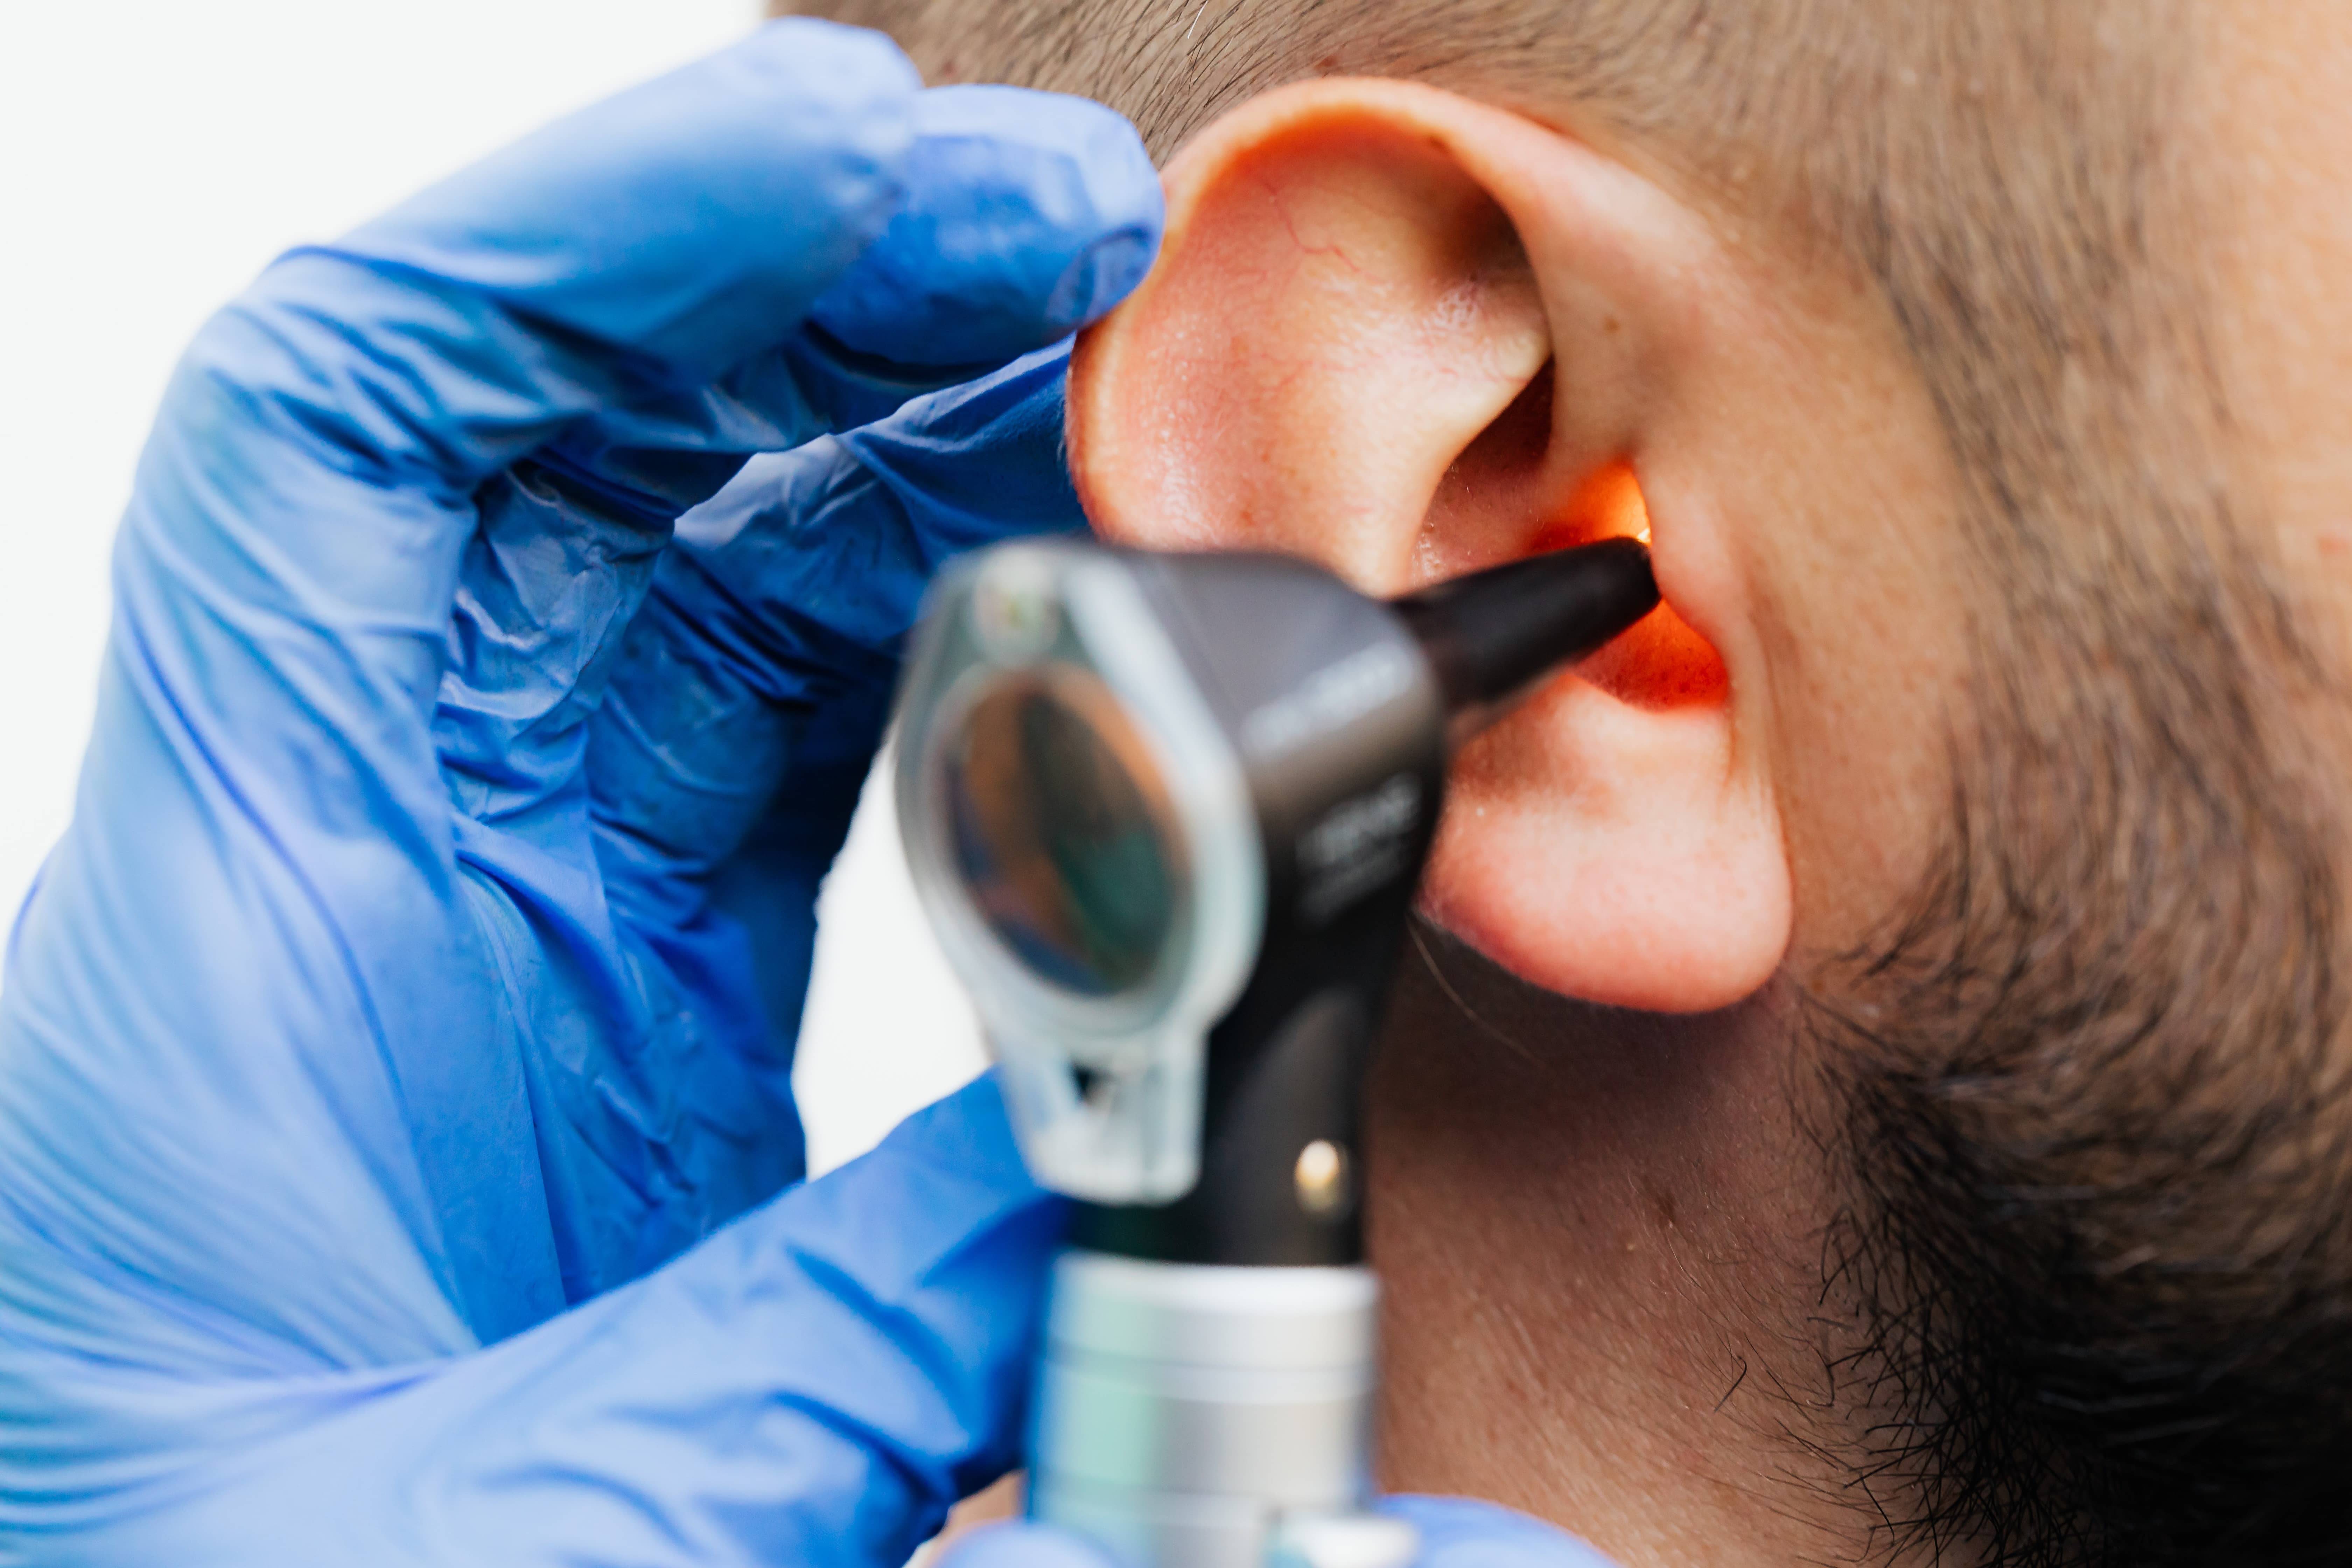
{"x": 1062, "y": 831}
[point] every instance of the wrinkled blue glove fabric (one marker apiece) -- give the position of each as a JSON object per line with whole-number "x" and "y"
{"x": 1455, "y": 1533}
{"x": 394, "y": 1053}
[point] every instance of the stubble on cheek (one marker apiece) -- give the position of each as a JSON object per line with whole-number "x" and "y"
{"x": 1597, "y": 1233}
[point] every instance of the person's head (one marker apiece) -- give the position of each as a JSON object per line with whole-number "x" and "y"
{"x": 1950, "y": 884}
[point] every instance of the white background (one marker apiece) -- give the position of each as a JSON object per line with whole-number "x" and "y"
{"x": 152, "y": 158}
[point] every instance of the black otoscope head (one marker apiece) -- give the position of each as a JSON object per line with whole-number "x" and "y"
{"x": 1344, "y": 711}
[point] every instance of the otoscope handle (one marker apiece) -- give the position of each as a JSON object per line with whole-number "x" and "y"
{"x": 1192, "y": 1416}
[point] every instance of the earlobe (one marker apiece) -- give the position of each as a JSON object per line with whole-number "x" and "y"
{"x": 1408, "y": 335}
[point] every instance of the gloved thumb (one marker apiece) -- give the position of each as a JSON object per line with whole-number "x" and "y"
{"x": 815, "y": 1384}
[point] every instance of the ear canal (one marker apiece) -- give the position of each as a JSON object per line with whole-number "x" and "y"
{"x": 1662, "y": 662}
{"x": 1357, "y": 304}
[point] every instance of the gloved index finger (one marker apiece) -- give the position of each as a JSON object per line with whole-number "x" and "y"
{"x": 588, "y": 282}
{"x": 293, "y": 549}
{"x": 690, "y": 220}
{"x": 1025, "y": 217}
{"x": 695, "y": 222}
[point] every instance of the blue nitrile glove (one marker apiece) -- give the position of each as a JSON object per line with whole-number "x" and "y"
{"x": 1455, "y": 1533}
{"x": 425, "y": 956}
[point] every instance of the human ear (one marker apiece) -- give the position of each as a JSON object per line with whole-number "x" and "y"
{"x": 1409, "y": 335}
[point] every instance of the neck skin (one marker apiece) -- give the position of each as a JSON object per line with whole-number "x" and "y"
{"x": 1599, "y": 1237}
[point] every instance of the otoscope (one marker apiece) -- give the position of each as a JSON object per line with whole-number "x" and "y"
{"x": 1166, "y": 813}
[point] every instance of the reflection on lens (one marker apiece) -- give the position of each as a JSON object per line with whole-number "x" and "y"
{"x": 1061, "y": 833}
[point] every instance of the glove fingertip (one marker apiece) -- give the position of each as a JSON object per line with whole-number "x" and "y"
{"x": 1105, "y": 183}
{"x": 1028, "y": 215}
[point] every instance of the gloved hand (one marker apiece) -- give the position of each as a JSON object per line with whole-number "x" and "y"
{"x": 1455, "y": 1533}
{"x": 426, "y": 954}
